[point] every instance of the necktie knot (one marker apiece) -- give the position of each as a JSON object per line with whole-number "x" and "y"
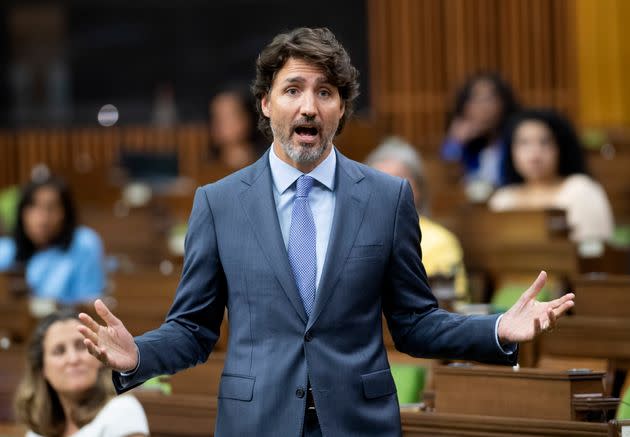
{"x": 304, "y": 185}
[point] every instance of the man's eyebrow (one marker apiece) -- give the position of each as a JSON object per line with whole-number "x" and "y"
{"x": 323, "y": 81}
{"x": 300, "y": 79}
{"x": 295, "y": 79}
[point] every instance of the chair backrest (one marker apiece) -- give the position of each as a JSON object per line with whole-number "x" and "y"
{"x": 409, "y": 381}
{"x": 623, "y": 412}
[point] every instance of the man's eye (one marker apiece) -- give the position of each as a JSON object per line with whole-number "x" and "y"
{"x": 292, "y": 91}
{"x": 324, "y": 93}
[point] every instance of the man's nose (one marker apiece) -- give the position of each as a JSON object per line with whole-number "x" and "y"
{"x": 308, "y": 109}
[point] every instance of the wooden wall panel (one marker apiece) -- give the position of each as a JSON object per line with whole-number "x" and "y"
{"x": 422, "y": 50}
{"x": 603, "y": 38}
{"x": 8, "y": 159}
{"x": 82, "y": 148}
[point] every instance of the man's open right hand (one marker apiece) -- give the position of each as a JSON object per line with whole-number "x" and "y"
{"x": 112, "y": 344}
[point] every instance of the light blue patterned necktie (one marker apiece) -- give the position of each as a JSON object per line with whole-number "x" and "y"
{"x": 302, "y": 243}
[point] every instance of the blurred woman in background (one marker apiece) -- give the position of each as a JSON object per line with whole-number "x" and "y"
{"x": 234, "y": 137}
{"x": 61, "y": 260}
{"x": 482, "y": 108}
{"x": 545, "y": 168}
{"x": 67, "y": 392}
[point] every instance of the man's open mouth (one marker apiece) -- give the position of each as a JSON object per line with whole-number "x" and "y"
{"x": 306, "y": 132}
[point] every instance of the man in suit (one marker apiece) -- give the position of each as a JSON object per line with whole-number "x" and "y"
{"x": 307, "y": 249}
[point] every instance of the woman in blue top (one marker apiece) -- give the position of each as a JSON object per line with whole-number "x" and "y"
{"x": 482, "y": 108}
{"x": 61, "y": 260}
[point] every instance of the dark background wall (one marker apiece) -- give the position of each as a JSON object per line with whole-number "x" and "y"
{"x": 122, "y": 54}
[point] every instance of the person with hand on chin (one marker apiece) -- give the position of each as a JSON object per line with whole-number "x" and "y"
{"x": 307, "y": 249}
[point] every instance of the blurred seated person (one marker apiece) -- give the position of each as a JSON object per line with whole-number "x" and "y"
{"x": 482, "y": 108}
{"x": 545, "y": 168}
{"x": 234, "y": 137}
{"x": 67, "y": 392}
{"x": 442, "y": 253}
{"x": 61, "y": 260}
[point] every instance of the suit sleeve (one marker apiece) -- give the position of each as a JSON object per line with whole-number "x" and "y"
{"x": 418, "y": 327}
{"x": 192, "y": 325}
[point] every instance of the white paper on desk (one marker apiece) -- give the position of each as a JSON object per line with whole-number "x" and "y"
{"x": 625, "y": 431}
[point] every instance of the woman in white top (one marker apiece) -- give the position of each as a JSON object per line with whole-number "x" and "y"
{"x": 544, "y": 168}
{"x": 67, "y": 393}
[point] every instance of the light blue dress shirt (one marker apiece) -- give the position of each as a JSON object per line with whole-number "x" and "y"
{"x": 321, "y": 200}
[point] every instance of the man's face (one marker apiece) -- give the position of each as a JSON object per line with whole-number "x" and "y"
{"x": 304, "y": 110}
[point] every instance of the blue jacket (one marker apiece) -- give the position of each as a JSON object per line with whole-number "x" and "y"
{"x": 235, "y": 257}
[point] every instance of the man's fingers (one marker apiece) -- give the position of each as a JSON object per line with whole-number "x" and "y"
{"x": 562, "y": 299}
{"x": 560, "y": 310}
{"x": 535, "y": 288}
{"x": 105, "y": 313}
{"x": 95, "y": 351}
{"x": 552, "y": 319}
{"x": 537, "y": 327}
{"x": 89, "y": 334}
{"x": 89, "y": 322}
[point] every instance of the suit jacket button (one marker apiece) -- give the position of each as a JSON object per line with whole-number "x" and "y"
{"x": 300, "y": 393}
{"x": 308, "y": 336}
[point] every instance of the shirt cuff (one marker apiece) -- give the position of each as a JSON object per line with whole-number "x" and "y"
{"x": 131, "y": 372}
{"x": 507, "y": 349}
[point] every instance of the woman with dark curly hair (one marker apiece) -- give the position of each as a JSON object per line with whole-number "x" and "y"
{"x": 67, "y": 392}
{"x": 482, "y": 107}
{"x": 545, "y": 168}
{"x": 62, "y": 260}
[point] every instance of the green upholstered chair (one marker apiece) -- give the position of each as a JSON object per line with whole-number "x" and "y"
{"x": 623, "y": 412}
{"x": 507, "y": 296}
{"x": 409, "y": 381}
{"x": 9, "y": 198}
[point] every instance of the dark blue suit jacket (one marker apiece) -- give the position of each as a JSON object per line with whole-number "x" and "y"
{"x": 236, "y": 257}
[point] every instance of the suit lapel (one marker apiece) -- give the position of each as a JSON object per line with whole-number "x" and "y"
{"x": 351, "y": 200}
{"x": 259, "y": 205}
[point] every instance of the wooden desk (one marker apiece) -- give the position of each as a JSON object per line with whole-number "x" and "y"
{"x": 503, "y": 392}
{"x": 136, "y": 234}
{"x": 600, "y": 295}
{"x": 195, "y": 416}
{"x": 597, "y": 337}
{"x": 12, "y": 363}
{"x": 482, "y": 226}
{"x": 516, "y": 242}
{"x": 419, "y": 424}
{"x": 179, "y": 415}
{"x": 16, "y": 321}
{"x": 143, "y": 298}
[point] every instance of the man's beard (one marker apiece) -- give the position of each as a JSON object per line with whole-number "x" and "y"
{"x": 304, "y": 153}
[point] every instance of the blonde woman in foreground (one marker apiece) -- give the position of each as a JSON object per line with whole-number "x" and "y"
{"x": 68, "y": 393}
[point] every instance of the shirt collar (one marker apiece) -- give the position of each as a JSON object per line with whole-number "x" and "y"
{"x": 284, "y": 175}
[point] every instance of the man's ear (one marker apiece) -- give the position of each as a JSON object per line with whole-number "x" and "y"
{"x": 343, "y": 108}
{"x": 264, "y": 104}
